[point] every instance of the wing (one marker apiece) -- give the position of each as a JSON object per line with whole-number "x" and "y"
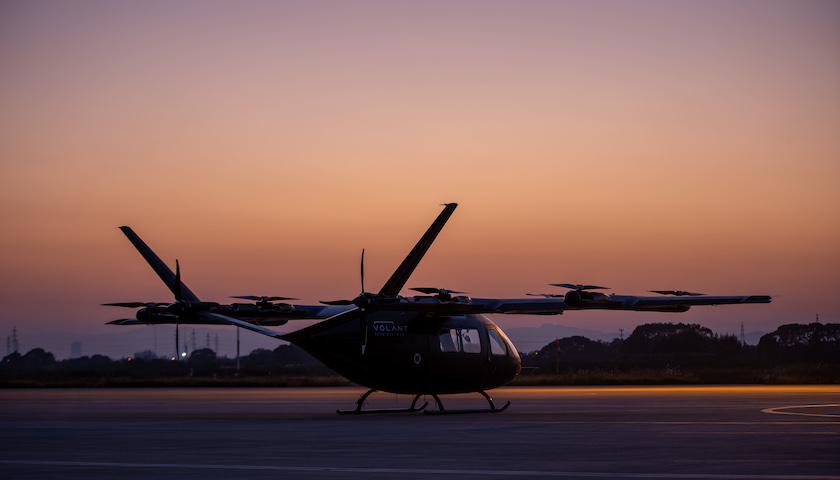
{"x": 699, "y": 300}
{"x": 530, "y": 306}
{"x": 466, "y": 305}
{"x": 655, "y": 304}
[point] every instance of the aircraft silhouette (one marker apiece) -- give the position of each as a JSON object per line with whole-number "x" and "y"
{"x": 434, "y": 344}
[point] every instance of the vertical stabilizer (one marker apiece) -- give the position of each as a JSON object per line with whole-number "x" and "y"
{"x": 172, "y": 281}
{"x": 397, "y": 281}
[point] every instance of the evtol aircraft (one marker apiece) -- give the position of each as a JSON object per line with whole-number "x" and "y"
{"x": 432, "y": 344}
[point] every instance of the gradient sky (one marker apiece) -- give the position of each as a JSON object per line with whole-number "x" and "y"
{"x": 640, "y": 145}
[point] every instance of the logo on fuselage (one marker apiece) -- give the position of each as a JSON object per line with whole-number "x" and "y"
{"x": 387, "y": 328}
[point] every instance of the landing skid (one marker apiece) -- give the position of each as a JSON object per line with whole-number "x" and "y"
{"x": 414, "y": 408}
{"x": 361, "y": 401}
{"x": 442, "y": 411}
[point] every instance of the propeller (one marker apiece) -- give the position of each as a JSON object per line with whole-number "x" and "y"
{"x": 264, "y": 302}
{"x": 440, "y": 293}
{"x": 362, "y": 302}
{"x": 677, "y": 293}
{"x": 578, "y": 294}
{"x": 546, "y": 295}
{"x": 435, "y": 291}
{"x": 177, "y": 292}
{"x": 363, "y": 299}
{"x": 262, "y": 298}
{"x": 363, "y": 324}
{"x": 578, "y": 286}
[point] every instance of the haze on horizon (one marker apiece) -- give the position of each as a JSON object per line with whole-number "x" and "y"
{"x": 638, "y": 145}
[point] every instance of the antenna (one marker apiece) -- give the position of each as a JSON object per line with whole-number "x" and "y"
{"x": 743, "y": 342}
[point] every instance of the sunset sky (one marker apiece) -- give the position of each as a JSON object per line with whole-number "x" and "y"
{"x": 638, "y": 145}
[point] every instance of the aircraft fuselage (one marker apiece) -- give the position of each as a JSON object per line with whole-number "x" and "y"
{"x": 413, "y": 353}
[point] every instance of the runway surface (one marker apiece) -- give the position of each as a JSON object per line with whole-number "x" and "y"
{"x": 771, "y": 433}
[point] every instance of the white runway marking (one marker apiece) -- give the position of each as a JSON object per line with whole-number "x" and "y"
{"x": 420, "y": 471}
{"x": 775, "y": 410}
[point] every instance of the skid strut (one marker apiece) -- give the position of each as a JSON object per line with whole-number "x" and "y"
{"x": 361, "y": 401}
{"x": 442, "y": 411}
{"x": 414, "y": 408}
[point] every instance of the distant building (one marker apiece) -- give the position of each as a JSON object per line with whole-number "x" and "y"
{"x": 75, "y": 349}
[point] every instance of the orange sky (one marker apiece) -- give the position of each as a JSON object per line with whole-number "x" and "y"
{"x": 639, "y": 145}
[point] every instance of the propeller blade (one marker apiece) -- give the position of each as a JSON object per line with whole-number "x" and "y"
{"x": 427, "y": 290}
{"x": 177, "y": 287}
{"x": 578, "y": 286}
{"x": 434, "y": 291}
{"x": 363, "y": 328}
{"x": 677, "y": 293}
{"x": 262, "y": 299}
{"x": 337, "y": 302}
{"x": 125, "y": 321}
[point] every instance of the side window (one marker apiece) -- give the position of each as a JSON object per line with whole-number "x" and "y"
{"x": 464, "y": 340}
{"x": 497, "y": 345}
{"x": 449, "y": 341}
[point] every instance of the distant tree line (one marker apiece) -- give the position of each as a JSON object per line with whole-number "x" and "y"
{"x": 656, "y": 345}
{"x": 815, "y": 342}
{"x": 664, "y": 347}
{"x": 286, "y": 360}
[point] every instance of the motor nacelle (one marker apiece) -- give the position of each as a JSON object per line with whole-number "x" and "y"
{"x": 593, "y": 300}
{"x": 154, "y": 316}
{"x": 256, "y": 308}
{"x": 584, "y": 299}
{"x": 183, "y": 306}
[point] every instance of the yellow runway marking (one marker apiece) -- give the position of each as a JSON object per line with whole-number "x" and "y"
{"x": 776, "y": 410}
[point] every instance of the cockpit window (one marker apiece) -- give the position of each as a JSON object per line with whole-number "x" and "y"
{"x": 497, "y": 345}
{"x": 460, "y": 340}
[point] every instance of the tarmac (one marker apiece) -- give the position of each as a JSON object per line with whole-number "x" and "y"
{"x": 708, "y": 432}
